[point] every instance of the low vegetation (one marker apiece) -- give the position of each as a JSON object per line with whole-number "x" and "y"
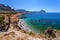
{"x": 7, "y": 12}
{"x": 2, "y": 20}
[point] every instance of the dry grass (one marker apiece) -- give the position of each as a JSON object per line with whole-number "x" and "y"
{"x": 16, "y": 35}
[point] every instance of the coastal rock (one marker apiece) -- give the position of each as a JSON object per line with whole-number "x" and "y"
{"x": 23, "y": 25}
{"x": 50, "y": 32}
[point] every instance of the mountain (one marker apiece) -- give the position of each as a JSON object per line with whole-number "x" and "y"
{"x": 5, "y": 8}
{"x": 21, "y": 10}
{"x": 42, "y": 11}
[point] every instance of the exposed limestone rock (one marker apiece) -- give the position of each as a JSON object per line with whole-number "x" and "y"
{"x": 23, "y": 25}
{"x": 50, "y": 32}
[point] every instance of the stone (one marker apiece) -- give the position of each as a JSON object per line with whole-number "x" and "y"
{"x": 50, "y": 32}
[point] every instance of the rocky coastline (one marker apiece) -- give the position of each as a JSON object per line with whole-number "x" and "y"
{"x": 15, "y": 32}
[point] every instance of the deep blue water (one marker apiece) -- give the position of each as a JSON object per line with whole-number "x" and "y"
{"x": 39, "y": 22}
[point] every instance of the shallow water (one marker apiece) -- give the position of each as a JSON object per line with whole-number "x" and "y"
{"x": 39, "y": 22}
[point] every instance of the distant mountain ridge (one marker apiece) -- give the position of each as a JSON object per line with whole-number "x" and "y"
{"x": 6, "y": 8}
{"x": 21, "y": 10}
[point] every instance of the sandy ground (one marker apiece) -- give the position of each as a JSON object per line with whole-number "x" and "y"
{"x": 19, "y": 35}
{"x": 16, "y": 35}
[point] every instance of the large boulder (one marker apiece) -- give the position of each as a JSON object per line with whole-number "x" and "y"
{"x": 50, "y": 32}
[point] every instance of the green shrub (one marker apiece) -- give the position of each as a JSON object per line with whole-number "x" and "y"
{"x": 2, "y": 20}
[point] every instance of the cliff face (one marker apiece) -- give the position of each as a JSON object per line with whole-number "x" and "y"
{"x": 6, "y": 8}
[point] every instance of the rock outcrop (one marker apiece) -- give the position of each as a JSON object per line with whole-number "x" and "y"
{"x": 50, "y": 32}
{"x": 23, "y": 25}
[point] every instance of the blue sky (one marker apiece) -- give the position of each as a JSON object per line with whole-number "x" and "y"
{"x": 34, "y": 5}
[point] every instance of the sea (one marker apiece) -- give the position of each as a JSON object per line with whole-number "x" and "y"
{"x": 39, "y": 22}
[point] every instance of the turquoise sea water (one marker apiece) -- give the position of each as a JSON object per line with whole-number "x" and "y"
{"x": 39, "y": 22}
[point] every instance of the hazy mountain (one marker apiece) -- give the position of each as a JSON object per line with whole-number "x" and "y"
{"x": 6, "y": 8}
{"x": 42, "y": 11}
{"x": 21, "y": 10}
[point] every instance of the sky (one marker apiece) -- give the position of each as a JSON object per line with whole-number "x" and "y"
{"x": 34, "y": 5}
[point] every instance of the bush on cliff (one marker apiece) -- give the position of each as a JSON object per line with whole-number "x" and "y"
{"x": 2, "y": 20}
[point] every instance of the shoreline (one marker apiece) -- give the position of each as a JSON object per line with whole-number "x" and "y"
{"x": 19, "y": 35}
{"x": 23, "y": 25}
